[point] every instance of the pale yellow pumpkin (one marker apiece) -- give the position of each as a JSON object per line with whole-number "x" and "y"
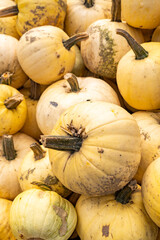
{"x": 10, "y": 70}
{"x": 151, "y": 191}
{"x": 12, "y": 151}
{"x": 46, "y": 53}
{"x": 42, "y": 215}
{"x": 61, "y": 95}
{"x": 5, "y": 230}
{"x": 36, "y": 172}
{"x": 100, "y": 152}
{"x": 13, "y": 110}
{"x": 119, "y": 217}
{"x": 141, "y": 13}
{"x": 81, "y": 13}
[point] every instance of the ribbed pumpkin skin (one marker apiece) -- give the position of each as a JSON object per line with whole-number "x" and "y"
{"x": 109, "y": 219}
{"x": 109, "y": 156}
{"x": 31, "y": 207}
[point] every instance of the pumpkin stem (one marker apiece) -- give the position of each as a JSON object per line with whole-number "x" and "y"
{"x": 116, "y": 11}
{"x": 6, "y": 78}
{"x": 89, "y": 3}
{"x": 8, "y": 147}
{"x": 62, "y": 143}
{"x": 140, "y": 52}
{"x": 74, "y": 39}
{"x": 9, "y": 11}
{"x": 123, "y": 195}
{"x": 39, "y": 153}
{"x": 35, "y": 90}
{"x": 73, "y": 82}
{"x": 14, "y": 101}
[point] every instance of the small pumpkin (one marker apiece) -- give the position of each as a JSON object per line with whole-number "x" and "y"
{"x": 71, "y": 90}
{"x": 12, "y": 151}
{"x": 45, "y": 53}
{"x": 96, "y": 148}
{"x": 156, "y": 35}
{"x": 79, "y": 67}
{"x": 31, "y": 207}
{"x": 142, "y": 60}
{"x": 36, "y": 172}
{"x": 13, "y": 110}
{"x": 120, "y": 216}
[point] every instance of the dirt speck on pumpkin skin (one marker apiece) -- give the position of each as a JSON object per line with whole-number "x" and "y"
{"x": 61, "y": 71}
{"x": 50, "y": 180}
{"x": 105, "y": 230}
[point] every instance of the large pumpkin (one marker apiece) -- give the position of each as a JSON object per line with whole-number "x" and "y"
{"x": 120, "y": 217}
{"x": 100, "y": 150}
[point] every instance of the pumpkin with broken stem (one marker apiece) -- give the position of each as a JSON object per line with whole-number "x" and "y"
{"x": 42, "y": 215}
{"x": 95, "y": 148}
{"x": 120, "y": 216}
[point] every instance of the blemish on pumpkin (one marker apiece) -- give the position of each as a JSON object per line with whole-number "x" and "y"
{"x": 61, "y": 71}
{"x": 50, "y": 180}
{"x": 63, "y": 215}
{"x": 145, "y": 135}
{"x": 62, "y": 4}
{"x": 100, "y": 150}
{"x": 55, "y": 104}
{"x": 30, "y": 171}
{"x": 105, "y": 230}
{"x": 21, "y": 236}
{"x": 32, "y": 39}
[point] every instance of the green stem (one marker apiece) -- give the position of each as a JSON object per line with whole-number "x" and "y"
{"x": 74, "y": 39}
{"x": 14, "y": 101}
{"x": 89, "y": 3}
{"x": 9, "y": 11}
{"x": 39, "y": 153}
{"x": 62, "y": 143}
{"x": 123, "y": 196}
{"x": 35, "y": 90}
{"x": 6, "y": 78}
{"x": 8, "y": 147}
{"x": 73, "y": 82}
{"x": 140, "y": 52}
{"x": 116, "y": 11}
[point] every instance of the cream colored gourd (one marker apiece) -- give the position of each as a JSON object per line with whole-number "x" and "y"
{"x": 149, "y": 125}
{"x": 8, "y": 24}
{"x": 121, "y": 216}
{"x": 137, "y": 70}
{"x": 32, "y": 13}
{"x": 71, "y": 90}
{"x": 100, "y": 150}
{"x": 103, "y": 49}
{"x": 46, "y": 54}
{"x": 30, "y": 209}
{"x": 5, "y": 230}
{"x": 10, "y": 70}
{"x": 151, "y": 192}
{"x": 12, "y": 151}
{"x": 136, "y": 12}
{"x": 81, "y": 13}
{"x": 36, "y": 172}
{"x": 13, "y": 110}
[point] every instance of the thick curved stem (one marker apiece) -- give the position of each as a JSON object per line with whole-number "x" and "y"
{"x": 8, "y": 147}
{"x": 89, "y": 3}
{"x": 9, "y": 11}
{"x": 74, "y": 39}
{"x": 35, "y": 90}
{"x": 140, "y": 52}
{"x": 39, "y": 153}
{"x": 73, "y": 82}
{"x": 6, "y": 78}
{"x": 14, "y": 101}
{"x": 123, "y": 196}
{"x": 116, "y": 11}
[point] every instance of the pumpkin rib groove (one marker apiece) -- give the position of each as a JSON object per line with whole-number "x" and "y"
{"x": 47, "y": 211}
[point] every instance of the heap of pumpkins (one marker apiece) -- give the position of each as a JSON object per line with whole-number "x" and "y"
{"x": 79, "y": 120}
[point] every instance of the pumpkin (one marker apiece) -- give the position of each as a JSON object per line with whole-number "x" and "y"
{"x": 46, "y": 54}
{"x": 120, "y": 216}
{"x": 79, "y": 67}
{"x": 103, "y": 49}
{"x": 10, "y": 70}
{"x": 12, "y": 151}
{"x": 31, "y": 207}
{"x": 136, "y": 12}
{"x": 71, "y": 90}
{"x": 13, "y": 110}
{"x": 8, "y": 24}
{"x": 148, "y": 123}
{"x": 147, "y": 34}
{"x": 142, "y": 60}
{"x": 35, "y": 171}
{"x": 31, "y": 95}
{"x": 5, "y": 230}
{"x": 156, "y": 35}
{"x": 32, "y": 14}
{"x": 81, "y": 13}
{"x": 95, "y": 148}
{"x": 151, "y": 192}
